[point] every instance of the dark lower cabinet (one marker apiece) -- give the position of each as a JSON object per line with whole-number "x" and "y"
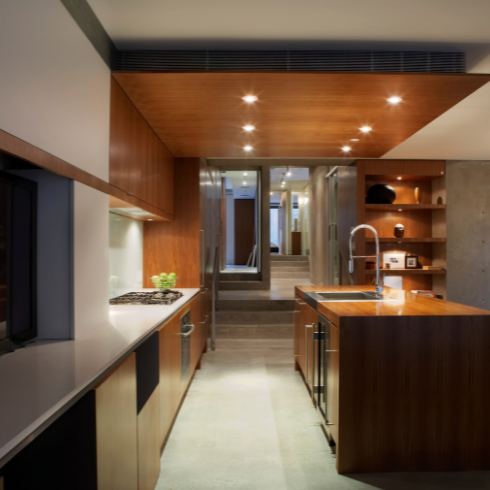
{"x": 63, "y": 457}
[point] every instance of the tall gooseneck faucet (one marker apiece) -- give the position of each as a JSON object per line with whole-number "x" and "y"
{"x": 379, "y": 288}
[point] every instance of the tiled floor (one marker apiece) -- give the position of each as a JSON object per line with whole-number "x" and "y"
{"x": 248, "y": 424}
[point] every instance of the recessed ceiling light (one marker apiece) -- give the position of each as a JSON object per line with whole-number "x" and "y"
{"x": 399, "y": 210}
{"x": 245, "y": 174}
{"x": 346, "y": 148}
{"x": 150, "y": 219}
{"x": 365, "y": 129}
{"x": 244, "y": 182}
{"x": 272, "y": 193}
{"x": 394, "y": 100}
{"x": 250, "y": 98}
{"x": 398, "y": 178}
{"x": 249, "y": 128}
{"x": 355, "y": 139}
{"x": 248, "y": 148}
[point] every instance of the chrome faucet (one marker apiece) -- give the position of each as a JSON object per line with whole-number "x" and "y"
{"x": 379, "y": 288}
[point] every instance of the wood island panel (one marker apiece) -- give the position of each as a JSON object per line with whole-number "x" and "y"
{"x": 412, "y": 383}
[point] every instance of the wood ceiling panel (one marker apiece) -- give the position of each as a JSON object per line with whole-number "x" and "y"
{"x": 297, "y": 114}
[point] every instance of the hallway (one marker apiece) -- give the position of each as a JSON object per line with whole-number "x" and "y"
{"x": 247, "y": 424}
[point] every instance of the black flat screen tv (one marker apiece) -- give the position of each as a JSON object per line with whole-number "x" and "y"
{"x": 18, "y": 228}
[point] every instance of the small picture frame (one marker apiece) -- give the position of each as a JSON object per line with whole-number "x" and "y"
{"x": 411, "y": 261}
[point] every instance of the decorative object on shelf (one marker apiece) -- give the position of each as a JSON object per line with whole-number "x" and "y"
{"x": 295, "y": 224}
{"x": 395, "y": 259}
{"x": 380, "y": 194}
{"x": 399, "y": 230}
{"x": 370, "y": 265}
{"x": 165, "y": 281}
{"x": 432, "y": 268}
{"x": 439, "y": 200}
{"x": 411, "y": 261}
{"x": 417, "y": 195}
{"x": 387, "y": 266}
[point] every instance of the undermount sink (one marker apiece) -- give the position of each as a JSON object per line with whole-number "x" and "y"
{"x": 352, "y": 296}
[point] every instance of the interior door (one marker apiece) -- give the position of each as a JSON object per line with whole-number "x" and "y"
{"x": 244, "y": 229}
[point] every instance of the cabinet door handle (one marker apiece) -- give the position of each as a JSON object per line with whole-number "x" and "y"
{"x": 299, "y": 302}
{"x": 205, "y": 319}
{"x": 204, "y": 291}
{"x": 331, "y": 351}
{"x": 190, "y": 331}
{"x": 203, "y": 259}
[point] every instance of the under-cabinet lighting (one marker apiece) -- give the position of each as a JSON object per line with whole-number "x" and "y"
{"x": 248, "y": 128}
{"x": 394, "y": 100}
{"x": 355, "y": 139}
{"x": 365, "y": 129}
{"x": 248, "y": 148}
{"x": 346, "y": 148}
{"x": 250, "y": 98}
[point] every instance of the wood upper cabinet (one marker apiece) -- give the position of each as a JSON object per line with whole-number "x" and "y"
{"x": 140, "y": 163}
{"x": 116, "y": 423}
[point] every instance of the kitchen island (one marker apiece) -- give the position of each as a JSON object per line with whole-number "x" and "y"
{"x": 406, "y": 380}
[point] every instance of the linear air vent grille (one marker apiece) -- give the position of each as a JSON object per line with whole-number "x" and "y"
{"x": 355, "y": 61}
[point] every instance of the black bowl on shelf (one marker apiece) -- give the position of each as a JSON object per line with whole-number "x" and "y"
{"x": 380, "y": 194}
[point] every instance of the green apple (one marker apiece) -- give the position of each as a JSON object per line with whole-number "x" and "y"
{"x": 173, "y": 275}
{"x": 163, "y": 275}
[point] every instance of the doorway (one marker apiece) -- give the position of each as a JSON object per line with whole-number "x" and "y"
{"x": 240, "y": 211}
{"x": 289, "y": 211}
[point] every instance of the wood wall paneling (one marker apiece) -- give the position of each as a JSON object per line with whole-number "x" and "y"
{"x": 149, "y": 443}
{"x": 203, "y": 113}
{"x": 175, "y": 246}
{"x": 117, "y": 455}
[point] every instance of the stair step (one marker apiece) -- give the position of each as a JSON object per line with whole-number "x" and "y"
{"x": 255, "y": 332}
{"x": 255, "y": 305}
{"x": 254, "y": 317}
{"x": 289, "y": 263}
{"x": 290, "y": 269}
{"x": 290, "y": 275}
{"x": 296, "y": 258}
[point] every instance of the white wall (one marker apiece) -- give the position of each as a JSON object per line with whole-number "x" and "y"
{"x": 125, "y": 253}
{"x": 54, "y": 87}
{"x": 91, "y": 257}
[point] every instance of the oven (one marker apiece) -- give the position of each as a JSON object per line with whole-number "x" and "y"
{"x": 186, "y": 329}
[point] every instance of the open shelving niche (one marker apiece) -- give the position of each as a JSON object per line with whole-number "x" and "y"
{"x": 425, "y": 223}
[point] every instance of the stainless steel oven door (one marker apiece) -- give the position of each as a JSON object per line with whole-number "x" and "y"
{"x": 186, "y": 329}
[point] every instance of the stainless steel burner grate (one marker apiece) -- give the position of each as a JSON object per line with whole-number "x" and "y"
{"x": 166, "y": 297}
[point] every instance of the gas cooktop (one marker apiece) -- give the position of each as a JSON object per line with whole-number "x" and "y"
{"x": 166, "y": 297}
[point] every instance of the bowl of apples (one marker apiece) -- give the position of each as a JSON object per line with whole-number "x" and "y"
{"x": 165, "y": 281}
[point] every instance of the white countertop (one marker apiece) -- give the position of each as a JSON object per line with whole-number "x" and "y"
{"x": 39, "y": 381}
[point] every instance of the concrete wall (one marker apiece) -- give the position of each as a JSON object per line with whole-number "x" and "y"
{"x": 468, "y": 232}
{"x": 55, "y": 88}
{"x": 318, "y": 225}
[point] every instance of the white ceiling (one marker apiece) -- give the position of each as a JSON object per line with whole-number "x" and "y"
{"x": 244, "y": 187}
{"x": 209, "y": 24}
{"x": 460, "y": 133}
